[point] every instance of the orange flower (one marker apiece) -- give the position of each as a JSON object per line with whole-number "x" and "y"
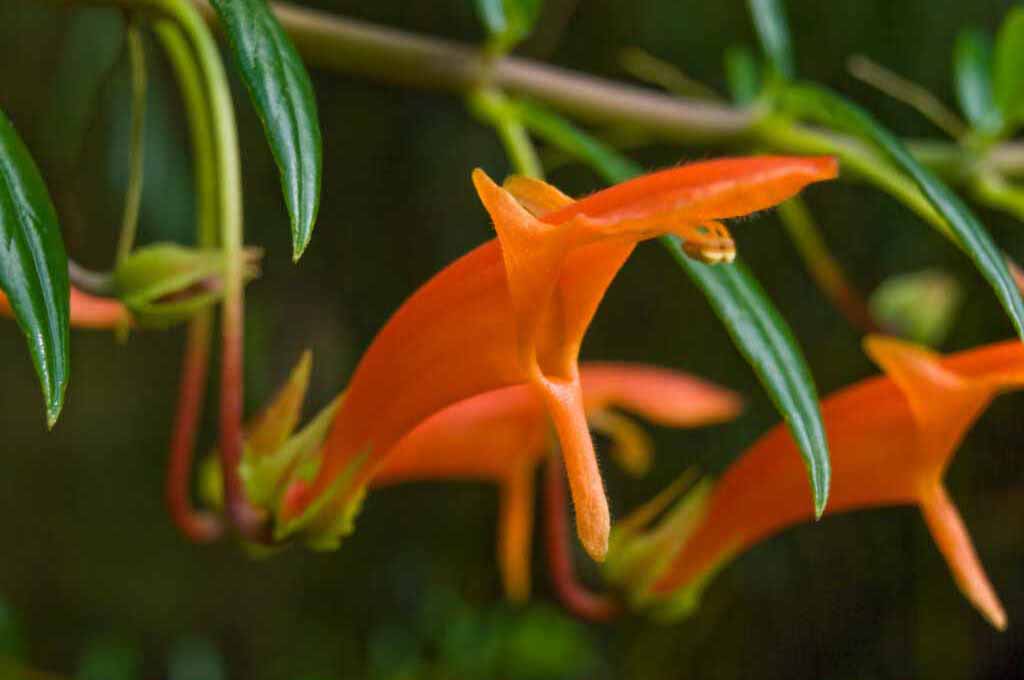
{"x": 891, "y": 439}
{"x": 87, "y": 311}
{"x": 514, "y": 311}
{"x": 503, "y": 435}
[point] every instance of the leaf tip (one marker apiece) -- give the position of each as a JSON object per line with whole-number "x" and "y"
{"x": 53, "y": 410}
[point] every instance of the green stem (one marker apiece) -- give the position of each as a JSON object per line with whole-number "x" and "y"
{"x": 198, "y": 526}
{"x": 992, "y": 188}
{"x": 133, "y": 194}
{"x": 380, "y": 53}
{"x": 229, "y": 183}
{"x": 824, "y": 268}
{"x": 493, "y": 107}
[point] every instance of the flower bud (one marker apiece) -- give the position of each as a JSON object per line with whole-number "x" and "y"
{"x": 165, "y": 284}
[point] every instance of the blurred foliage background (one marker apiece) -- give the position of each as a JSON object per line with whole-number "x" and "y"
{"x": 97, "y": 584}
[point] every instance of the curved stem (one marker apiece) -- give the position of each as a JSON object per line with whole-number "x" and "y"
{"x": 133, "y": 194}
{"x": 97, "y": 283}
{"x": 198, "y": 526}
{"x": 823, "y": 267}
{"x": 493, "y": 107}
{"x": 558, "y": 540}
{"x": 246, "y": 519}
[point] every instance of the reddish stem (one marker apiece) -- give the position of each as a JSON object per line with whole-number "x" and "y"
{"x": 249, "y": 521}
{"x": 575, "y": 596}
{"x": 201, "y": 527}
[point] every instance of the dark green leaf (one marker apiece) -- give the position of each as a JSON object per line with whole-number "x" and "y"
{"x": 764, "y": 338}
{"x": 821, "y": 105}
{"x": 280, "y": 90}
{"x": 33, "y": 266}
{"x": 508, "y": 21}
{"x": 773, "y": 32}
{"x": 1008, "y": 66}
{"x": 742, "y": 75}
{"x": 755, "y": 326}
{"x": 972, "y": 68}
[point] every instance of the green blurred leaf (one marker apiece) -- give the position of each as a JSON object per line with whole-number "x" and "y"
{"x": 110, "y": 659}
{"x": 756, "y": 327}
{"x": 196, "y": 659}
{"x": 742, "y": 74}
{"x": 33, "y": 266}
{"x": 1008, "y": 66}
{"x": 920, "y": 306}
{"x": 282, "y": 94}
{"x": 972, "y": 69}
{"x": 825, "y": 107}
{"x": 773, "y": 32}
{"x": 12, "y": 644}
{"x": 508, "y": 21}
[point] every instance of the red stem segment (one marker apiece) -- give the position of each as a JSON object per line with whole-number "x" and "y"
{"x": 201, "y": 527}
{"x": 575, "y": 596}
{"x": 249, "y": 521}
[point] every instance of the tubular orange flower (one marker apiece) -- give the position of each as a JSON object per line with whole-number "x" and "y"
{"x": 503, "y": 435}
{"x": 88, "y": 311}
{"x": 891, "y": 439}
{"x": 514, "y": 311}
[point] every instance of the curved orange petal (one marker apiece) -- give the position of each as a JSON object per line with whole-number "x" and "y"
{"x": 661, "y": 396}
{"x": 890, "y": 440}
{"x": 516, "y": 313}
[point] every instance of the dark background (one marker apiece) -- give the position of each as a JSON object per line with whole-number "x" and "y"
{"x": 91, "y": 566}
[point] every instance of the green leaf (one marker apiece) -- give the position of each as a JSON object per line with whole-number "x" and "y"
{"x": 767, "y": 343}
{"x": 773, "y": 32}
{"x": 825, "y": 107}
{"x": 920, "y": 306}
{"x": 742, "y": 75}
{"x": 972, "y": 69}
{"x": 508, "y": 22}
{"x": 282, "y": 94}
{"x": 34, "y": 267}
{"x": 1008, "y": 66}
{"x": 756, "y": 327}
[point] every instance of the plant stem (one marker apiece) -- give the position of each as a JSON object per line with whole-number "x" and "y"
{"x": 133, "y": 194}
{"x": 347, "y": 45}
{"x": 198, "y": 526}
{"x": 97, "y": 283}
{"x": 493, "y": 107}
{"x": 225, "y": 145}
{"x": 908, "y": 92}
{"x": 574, "y": 596}
{"x": 824, "y": 268}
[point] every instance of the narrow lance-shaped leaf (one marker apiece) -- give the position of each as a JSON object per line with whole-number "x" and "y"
{"x": 282, "y": 94}
{"x": 765, "y": 340}
{"x": 773, "y": 32}
{"x": 972, "y": 68}
{"x": 33, "y": 266}
{"x": 821, "y": 105}
{"x": 1008, "y": 65}
{"x": 756, "y": 327}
